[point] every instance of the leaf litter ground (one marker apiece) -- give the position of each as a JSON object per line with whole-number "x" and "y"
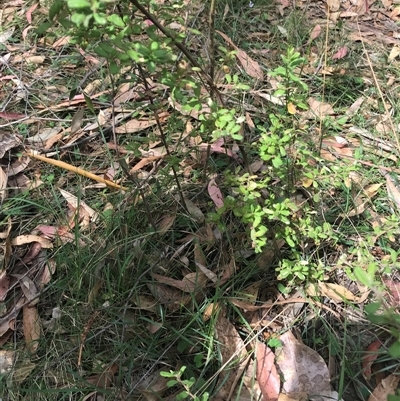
{"x": 108, "y": 279}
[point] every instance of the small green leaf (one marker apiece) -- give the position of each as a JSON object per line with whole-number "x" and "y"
{"x": 116, "y": 20}
{"x": 42, "y": 28}
{"x": 89, "y": 103}
{"x": 55, "y": 8}
{"x": 78, "y": 4}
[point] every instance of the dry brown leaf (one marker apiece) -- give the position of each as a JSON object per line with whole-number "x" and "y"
{"x": 251, "y": 66}
{"x": 319, "y": 109}
{"x": 135, "y": 126}
{"x": 210, "y": 311}
{"x": 386, "y": 387}
{"x": 332, "y": 291}
{"x": 35, "y": 59}
{"x": 31, "y": 324}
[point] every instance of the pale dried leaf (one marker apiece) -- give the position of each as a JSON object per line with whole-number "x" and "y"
{"x": 29, "y": 289}
{"x": 211, "y": 310}
{"x": 353, "y": 109}
{"x": 31, "y": 324}
{"x": 334, "y": 5}
{"x": 5, "y": 35}
{"x": 394, "y": 53}
{"x": 342, "y": 52}
{"x": 332, "y": 291}
{"x": 35, "y": 59}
